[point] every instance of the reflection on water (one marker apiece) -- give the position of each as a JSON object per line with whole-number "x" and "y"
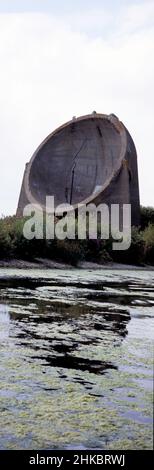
{"x": 76, "y": 359}
{"x": 4, "y": 322}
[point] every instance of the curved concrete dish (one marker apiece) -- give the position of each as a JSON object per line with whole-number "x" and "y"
{"x": 88, "y": 159}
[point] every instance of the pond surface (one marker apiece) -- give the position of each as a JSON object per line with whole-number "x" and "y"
{"x": 76, "y": 358}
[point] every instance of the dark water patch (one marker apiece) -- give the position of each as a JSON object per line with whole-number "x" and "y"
{"x": 121, "y": 299}
{"x": 31, "y": 283}
{"x": 76, "y": 363}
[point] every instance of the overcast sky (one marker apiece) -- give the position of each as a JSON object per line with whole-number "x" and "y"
{"x": 60, "y": 58}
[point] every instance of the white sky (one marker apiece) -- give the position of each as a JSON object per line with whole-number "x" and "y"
{"x": 57, "y": 61}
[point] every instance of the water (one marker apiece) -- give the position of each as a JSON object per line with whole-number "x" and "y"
{"x": 76, "y": 359}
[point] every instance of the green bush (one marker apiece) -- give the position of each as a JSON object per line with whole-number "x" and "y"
{"x": 5, "y": 242}
{"x": 147, "y": 216}
{"x": 135, "y": 253}
{"x": 148, "y": 239}
{"x": 99, "y": 251}
{"x": 69, "y": 251}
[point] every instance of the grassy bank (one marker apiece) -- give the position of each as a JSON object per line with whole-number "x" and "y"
{"x": 13, "y": 245}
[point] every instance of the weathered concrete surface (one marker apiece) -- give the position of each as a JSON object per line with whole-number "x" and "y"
{"x": 89, "y": 159}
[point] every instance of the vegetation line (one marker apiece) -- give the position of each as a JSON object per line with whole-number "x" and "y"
{"x": 13, "y": 245}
